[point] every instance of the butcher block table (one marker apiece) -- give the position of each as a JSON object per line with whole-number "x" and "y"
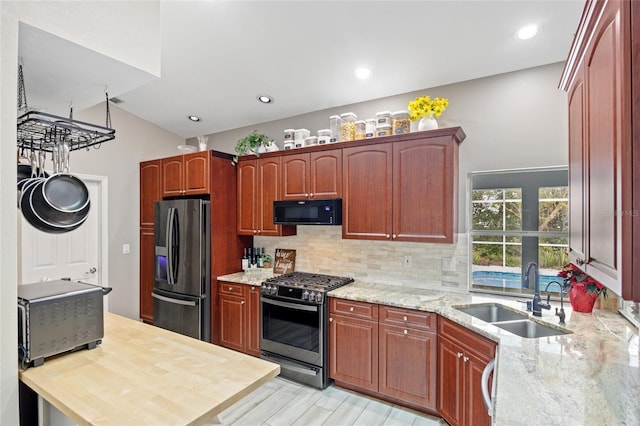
{"x": 145, "y": 375}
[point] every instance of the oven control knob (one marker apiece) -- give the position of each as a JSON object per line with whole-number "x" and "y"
{"x": 319, "y": 298}
{"x": 312, "y": 297}
{"x": 305, "y": 295}
{"x": 273, "y": 289}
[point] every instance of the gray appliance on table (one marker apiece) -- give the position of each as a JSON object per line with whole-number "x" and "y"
{"x": 56, "y": 317}
{"x": 181, "y": 290}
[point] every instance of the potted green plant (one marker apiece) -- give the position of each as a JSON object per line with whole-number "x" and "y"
{"x": 266, "y": 261}
{"x": 251, "y": 144}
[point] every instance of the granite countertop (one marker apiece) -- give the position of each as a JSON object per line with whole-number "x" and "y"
{"x": 588, "y": 377}
{"x": 253, "y": 277}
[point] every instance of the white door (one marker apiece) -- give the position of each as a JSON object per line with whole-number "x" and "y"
{"x": 78, "y": 255}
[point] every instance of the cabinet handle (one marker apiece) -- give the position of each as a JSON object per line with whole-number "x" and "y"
{"x": 394, "y": 236}
{"x": 406, "y": 332}
{"x": 311, "y": 195}
{"x": 388, "y": 236}
{"x": 255, "y": 231}
{"x": 242, "y": 303}
{"x": 351, "y": 309}
{"x": 252, "y": 288}
{"x": 230, "y": 288}
{"x": 330, "y": 319}
{"x": 259, "y": 231}
{"x": 404, "y": 318}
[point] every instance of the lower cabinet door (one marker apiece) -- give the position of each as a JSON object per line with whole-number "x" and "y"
{"x": 252, "y": 296}
{"x": 408, "y": 365}
{"x": 451, "y": 382}
{"x": 232, "y": 322}
{"x": 475, "y": 411}
{"x": 353, "y": 356}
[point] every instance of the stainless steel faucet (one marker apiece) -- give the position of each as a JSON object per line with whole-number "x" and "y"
{"x": 536, "y": 305}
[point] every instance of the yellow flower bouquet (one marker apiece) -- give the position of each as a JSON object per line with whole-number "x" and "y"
{"x": 424, "y": 106}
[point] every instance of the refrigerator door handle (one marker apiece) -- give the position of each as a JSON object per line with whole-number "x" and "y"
{"x": 171, "y": 258}
{"x": 176, "y": 301}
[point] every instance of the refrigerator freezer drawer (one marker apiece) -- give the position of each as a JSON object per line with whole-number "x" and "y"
{"x": 183, "y": 314}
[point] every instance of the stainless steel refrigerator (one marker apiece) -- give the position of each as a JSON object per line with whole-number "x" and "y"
{"x": 181, "y": 291}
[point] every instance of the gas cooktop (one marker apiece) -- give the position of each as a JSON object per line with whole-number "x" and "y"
{"x": 316, "y": 282}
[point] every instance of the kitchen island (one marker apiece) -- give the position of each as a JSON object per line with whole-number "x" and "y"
{"x": 142, "y": 374}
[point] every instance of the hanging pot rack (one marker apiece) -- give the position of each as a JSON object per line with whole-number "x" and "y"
{"x": 40, "y": 131}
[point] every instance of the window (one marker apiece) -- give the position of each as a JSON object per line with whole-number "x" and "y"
{"x": 518, "y": 217}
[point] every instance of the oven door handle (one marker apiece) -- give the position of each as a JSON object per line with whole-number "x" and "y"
{"x": 295, "y": 306}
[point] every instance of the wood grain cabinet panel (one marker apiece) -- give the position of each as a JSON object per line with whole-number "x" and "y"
{"x": 186, "y": 175}
{"x": 259, "y": 182}
{"x": 239, "y": 326}
{"x": 147, "y": 276}
{"x": 316, "y": 175}
{"x": 150, "y": 190}
{"x": 252, "y": 296}
{"x": 604, "y": 120}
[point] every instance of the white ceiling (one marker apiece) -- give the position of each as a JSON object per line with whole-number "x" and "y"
{"x": 217, "y": 56}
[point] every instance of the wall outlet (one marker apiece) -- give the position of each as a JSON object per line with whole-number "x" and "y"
{"x": 449, "y": 264}
{"x": 126, "y": 249}
{"x": 407, "y": 261}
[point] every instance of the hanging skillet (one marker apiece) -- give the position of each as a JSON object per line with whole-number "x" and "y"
{"x": 63, "y": 191}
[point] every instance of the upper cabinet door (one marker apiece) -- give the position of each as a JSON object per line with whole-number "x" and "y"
{"x": 295, "y": 177}
{"x": 172, "y": 176}
{"x": 326, "y": 174}
{"x": 196, "y": 173}
{"x": 367, "y": 192}
{"x": 268, "y": 192}
{"x": 247, "y": 196}
{"x": 425, "y": 190}
{"x": 150, "y": 190}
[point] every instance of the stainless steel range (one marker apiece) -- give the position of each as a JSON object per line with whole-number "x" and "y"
{"x": 295, "y": 325}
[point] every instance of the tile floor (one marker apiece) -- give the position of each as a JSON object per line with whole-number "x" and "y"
{"x": 281, "y": 402}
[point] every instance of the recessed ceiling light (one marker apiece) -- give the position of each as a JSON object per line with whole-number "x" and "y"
{"x": 362, "y": 73}
{"x": 265, "y": 99}
{"x": 527, "y": 32}
{"x": 193, "y": 117}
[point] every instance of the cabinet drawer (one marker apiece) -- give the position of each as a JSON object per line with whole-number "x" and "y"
{"x": 352, "y": 308}
{"x": 470, "y": 340}
{"x": 231, "y": 288}
{"x": 408, "y": 317}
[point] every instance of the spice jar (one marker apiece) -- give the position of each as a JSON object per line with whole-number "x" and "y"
{"x": 400, "y": 122}
{"x": 324, "y": 136}
{"x": 348, "y": 126}
{"x": 383, "y": 130}
{"x": 370, "y": 128}
{"x": 383, "y": 117}
{"x": 360, "y": 129}
{"x": 335, "y": 123}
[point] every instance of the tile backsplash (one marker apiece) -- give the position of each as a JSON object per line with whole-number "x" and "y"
{"x": 321, "y": 249}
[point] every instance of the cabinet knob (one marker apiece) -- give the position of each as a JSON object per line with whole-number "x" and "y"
{"x": 459, "y": 354}
{"x": 388, "y": 236}
{"x": 230, "y": 288}
{"x": 255, "y": 231}
{"x": 465, "y": 359}
{"x": 253, "y": 288}
{"x": 259, "y": 231}
{"x": 242, "y": 303}
{"x": 351, "y": 309}
{"x": 404, "y": 318}
{"x": 394, "y": 236}
{"x": 580, "y": 262}
{"x": 406, "y": 332}
{"x": 311, "y": 195}
{"x": 330, "y": 319}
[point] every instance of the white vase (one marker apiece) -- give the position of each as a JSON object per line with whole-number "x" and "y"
{"x": 427, "y": 123}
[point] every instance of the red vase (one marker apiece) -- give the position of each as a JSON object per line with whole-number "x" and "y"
{"x": 581, "y": 300}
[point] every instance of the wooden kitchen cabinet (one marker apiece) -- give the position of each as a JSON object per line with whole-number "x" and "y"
{"x": 462, "y": 358}
{"x": 185, "y": 175}
{"x": 150, "y": 192}
{"x": 407, "y": 356}
{"x": 258, "y": 187}
{"x": 604, "y": 126}
{"x": 239, "y": 317}
{"x": 353, "y": 344}
{"x": 409, "y": 188}
{"x": 316, "y": 175}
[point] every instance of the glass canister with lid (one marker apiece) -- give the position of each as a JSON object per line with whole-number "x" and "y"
{"x": 383, "y": 130}
{"x": 383, "y": 117}
{"x": 401, "y": 122}
{"x": 370, "y": 128}
{"x": 360, "y": 130}
{"x": 324, "y": 136}
{"x": 335, "y": 123}
{"x": 348, "y": 126}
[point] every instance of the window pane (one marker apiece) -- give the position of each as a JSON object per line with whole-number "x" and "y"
{"x": 487, "y": 254}
{"x": 487, "y": 216}
{"x": 554, "y": 192}
{"x": 488, "y": 238}
{"x": 513, "y": 255}
{"x": 513, "y": 216}
{"x": 554, "y": 216}
{"x": 487, "y": 195}
{"x": 552, "y": 257}
{"x": 513, "y": 194}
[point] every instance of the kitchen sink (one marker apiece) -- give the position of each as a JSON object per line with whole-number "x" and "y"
{"x": 530, "y": 329}
{"x": 511, "y": 320}
{"x": 493, "y": 312}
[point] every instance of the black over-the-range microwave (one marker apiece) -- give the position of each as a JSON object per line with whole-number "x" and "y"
{"x": 308, "y": 212}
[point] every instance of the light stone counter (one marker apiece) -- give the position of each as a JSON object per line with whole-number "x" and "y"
{"x": 254, "y": 277}
{"x": 588, "y": 377}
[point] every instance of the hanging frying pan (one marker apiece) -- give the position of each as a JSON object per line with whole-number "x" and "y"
{"x": 63, "y": 191}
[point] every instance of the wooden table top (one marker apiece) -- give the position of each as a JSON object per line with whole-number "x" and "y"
{"x": 145, "y": 375}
